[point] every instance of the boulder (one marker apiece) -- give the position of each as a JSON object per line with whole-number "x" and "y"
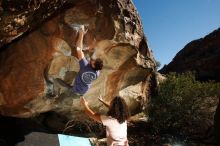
{"x": 31, "y": 63}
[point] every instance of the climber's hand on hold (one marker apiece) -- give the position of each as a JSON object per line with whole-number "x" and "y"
{"x": 83, "y": 101}
{"x": 100, "y": 98}
{"x": 104, "y": 102}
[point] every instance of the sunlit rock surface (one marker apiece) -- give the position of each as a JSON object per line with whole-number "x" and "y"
{"x": 29, "y": 64}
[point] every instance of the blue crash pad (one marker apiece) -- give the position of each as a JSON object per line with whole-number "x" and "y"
{"x": 66, "y": 140}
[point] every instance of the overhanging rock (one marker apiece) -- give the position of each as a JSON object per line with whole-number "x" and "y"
{"x": 45, "y": 54}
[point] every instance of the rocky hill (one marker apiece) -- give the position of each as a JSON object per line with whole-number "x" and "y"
{"x": 200, "y": 55}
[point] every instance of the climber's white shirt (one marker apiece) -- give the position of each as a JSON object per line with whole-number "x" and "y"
{"x": 116, "y": 133}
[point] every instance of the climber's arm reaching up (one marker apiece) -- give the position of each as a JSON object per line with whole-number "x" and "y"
{"x": 79, "y": 43}
{"x": 89, "y": 111}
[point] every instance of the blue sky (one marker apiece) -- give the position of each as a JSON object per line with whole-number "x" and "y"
{"x": 170, "y": 24}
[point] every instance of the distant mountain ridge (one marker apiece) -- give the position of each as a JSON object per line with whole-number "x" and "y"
{"x": 202, "y": 56}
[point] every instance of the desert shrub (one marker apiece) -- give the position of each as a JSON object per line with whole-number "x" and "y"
{"x": 158, "y": 64}
{"x": 181, "y": 103}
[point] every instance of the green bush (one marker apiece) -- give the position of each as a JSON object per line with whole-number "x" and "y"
{"x": 158, "y": 64}
{"x": 178, "y": 104}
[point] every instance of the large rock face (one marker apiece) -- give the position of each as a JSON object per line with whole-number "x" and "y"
{"x": 45, "y": 53}
{"x": 201, "y": 55}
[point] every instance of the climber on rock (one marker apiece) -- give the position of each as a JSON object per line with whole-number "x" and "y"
{"x": 89, "y": 71}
